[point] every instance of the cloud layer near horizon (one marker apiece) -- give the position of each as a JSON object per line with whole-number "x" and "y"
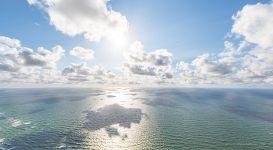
{"x": 20, "y": 64}
{"x": 247, "y": 57}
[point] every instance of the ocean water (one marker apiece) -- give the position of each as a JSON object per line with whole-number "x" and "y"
{"x": 134, "y": 119}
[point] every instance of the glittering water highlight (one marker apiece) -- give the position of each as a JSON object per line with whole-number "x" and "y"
{"x": 131, "y": 118}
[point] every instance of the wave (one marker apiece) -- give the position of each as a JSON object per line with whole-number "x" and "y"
{"x": 16, "y": 122}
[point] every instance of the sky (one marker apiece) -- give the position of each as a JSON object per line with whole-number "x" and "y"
{"x": 137, "y": 42}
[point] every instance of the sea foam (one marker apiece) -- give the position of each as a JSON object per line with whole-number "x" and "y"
{"x": 17, "y": 122}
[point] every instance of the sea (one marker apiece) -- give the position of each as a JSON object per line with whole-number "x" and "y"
{"x": 117, "y": 118}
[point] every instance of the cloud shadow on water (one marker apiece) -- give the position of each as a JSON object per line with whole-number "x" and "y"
{"x": 161, "y": 102}
{"x": 250, "y": 103}
{"x": 36, "y": 110}
{"x": 47, "y": 139}
{"x": 111, "y": 131}
{"x": 164, "y": 97}
{"x": 111, "y": 115}
{"x": 249, "y": 113}
{"x": 45, "y": 96}
{"x": 111, "y": 96}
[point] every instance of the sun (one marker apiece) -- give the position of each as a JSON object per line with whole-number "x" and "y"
{"x": 118, "y": 40}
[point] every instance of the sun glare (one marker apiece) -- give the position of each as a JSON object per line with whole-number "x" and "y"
{"x": 118, "y": 40}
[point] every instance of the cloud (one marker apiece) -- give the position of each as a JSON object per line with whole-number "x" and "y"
{"x": 94, "y": 19}
{"x": 137, "y": 54}
{"x": 247, "y": 56}
{"x": 156, "y": 63}
{"x": 7, "y": 65}
{"x": 219, "y": 69}
{"x": 205, "y": 65}
{"x": 14, "y": 55}
{"x": 42, "y": 57}
{"x": 82, "y": 53}
{"x": 8, "y": 45}
{"x": 142, "y": 70}
{"x": 247, "y": 61}
{"x": 254, "y": 23}
{"x": 82, "y": 73}
{"x": 22, "y": 64}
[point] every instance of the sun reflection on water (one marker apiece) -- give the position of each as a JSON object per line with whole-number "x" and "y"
{"x": 120, "y": 137}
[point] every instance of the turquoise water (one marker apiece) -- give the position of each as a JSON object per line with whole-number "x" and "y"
{"x": 131, "y": 118}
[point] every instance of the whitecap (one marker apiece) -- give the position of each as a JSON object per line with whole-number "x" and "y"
{"x": 17, "y": 122}
{"x": 62, "y": 146}
{"x": 2, "y": 140}
{"x": 27, "y": 123}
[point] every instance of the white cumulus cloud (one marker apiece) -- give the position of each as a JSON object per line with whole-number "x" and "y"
{"x": 82, "y": 53}
{"x": 82, "y": 73}
{"x": 156, "y": 63}
{"x": 247, "y": 62}
{"x": 93, "y": 19}
{"x": 22, "y": 64}
{"x": 254, "y": 23}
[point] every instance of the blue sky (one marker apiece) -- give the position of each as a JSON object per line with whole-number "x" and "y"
{"x": 187, "y": 29}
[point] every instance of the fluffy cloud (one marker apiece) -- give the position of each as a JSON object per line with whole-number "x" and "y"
{"x": 21, "y": 63}
{"x": 42, "y": 57}
{"x": 254, "y": 23}
{"x": 244, "y": 60}
{"x": 207, "y": 65}
{"x": 82, "y": 53}
{"x": 137, "y": 54}
{"x": 205, "y": 69}
{"x": 249, "y": 62}
{"x": 8, "y": 45}
{"x": 82, "y": 73}
{"x": 156, "y": 63}
{"x": 13, "y": 54}
{"x": 93, "y": 19}
{"x": 257, "y": 65}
